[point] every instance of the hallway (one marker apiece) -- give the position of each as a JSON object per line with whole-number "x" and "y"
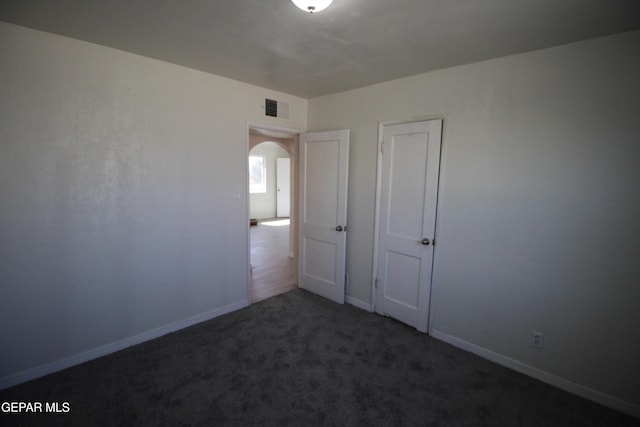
{"x": 272, "y": 270}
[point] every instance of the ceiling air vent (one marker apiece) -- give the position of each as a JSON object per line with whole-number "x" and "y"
{"x": 271, "y": 107}
{"x": 275, "y": 108}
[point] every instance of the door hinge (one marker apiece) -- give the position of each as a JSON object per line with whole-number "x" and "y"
{"x": 382, "y": 147}
{"x": 375, "y": 283}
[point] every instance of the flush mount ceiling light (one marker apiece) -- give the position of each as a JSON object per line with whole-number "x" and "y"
{"x": 312, "y": 5}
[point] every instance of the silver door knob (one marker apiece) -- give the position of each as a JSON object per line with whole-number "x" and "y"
{"x": 425, "y": 241}
{"x": 339, "y": 228}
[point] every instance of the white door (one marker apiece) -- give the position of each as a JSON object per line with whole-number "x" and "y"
{"x": 408, "y": 195}
{"x": 283, "y": 187}
{"x": 324, "y": 159}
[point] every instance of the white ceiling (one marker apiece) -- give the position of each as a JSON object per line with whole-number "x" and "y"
{"x": 353, "y": 43}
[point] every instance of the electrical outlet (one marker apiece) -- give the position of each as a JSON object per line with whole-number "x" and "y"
{"x": 537, "y": 339}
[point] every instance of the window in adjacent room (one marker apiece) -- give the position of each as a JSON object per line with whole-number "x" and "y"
{"x": 257, "y": 175}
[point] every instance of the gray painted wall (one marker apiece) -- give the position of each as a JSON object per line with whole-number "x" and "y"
{"x": 118, "y": 208}
{"x": 539, "y": 213}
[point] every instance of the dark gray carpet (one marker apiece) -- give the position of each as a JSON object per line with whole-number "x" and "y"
{"x": 300, "y": 360}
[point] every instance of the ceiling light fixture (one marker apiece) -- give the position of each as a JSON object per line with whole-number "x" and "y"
{"x": 312, "y": 5}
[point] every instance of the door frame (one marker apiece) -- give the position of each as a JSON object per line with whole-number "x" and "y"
{"x": 376, "y": 222}
{"x": 294, "y": 228}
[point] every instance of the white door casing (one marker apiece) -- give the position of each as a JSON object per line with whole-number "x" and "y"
{"x": 323, "y": 172}
{"x": 283, "y": 187}
{"x": 407, "y": 216}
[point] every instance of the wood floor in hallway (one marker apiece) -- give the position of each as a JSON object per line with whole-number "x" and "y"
{"x": 272, "y": 270}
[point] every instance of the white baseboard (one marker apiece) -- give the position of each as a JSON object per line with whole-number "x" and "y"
{"x": 546, "y": 377}
{"x": 358, "y": 303}
{"x": 76, "y": 359}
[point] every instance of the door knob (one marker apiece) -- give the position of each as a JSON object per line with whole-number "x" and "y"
{"x": 339, "y": 228}
{"x": 425, "y": 241}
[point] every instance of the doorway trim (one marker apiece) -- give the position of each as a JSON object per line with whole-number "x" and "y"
{"x": 287, "y": 133}
{"x": 376, "y": 222}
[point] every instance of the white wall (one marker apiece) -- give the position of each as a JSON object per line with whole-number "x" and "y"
{"x": 263, "y": 205}
{"x": 118, "y": 215}
{"x": 539, "y": 204}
